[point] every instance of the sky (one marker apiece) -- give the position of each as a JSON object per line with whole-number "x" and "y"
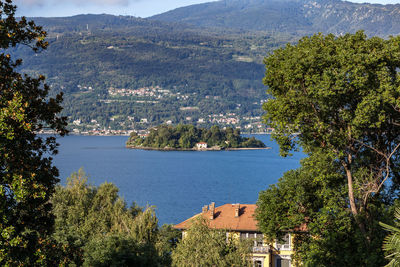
{"x": 137, "y": 8}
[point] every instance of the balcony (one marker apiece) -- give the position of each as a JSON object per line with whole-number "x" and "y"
{"x": 260, "y": 249}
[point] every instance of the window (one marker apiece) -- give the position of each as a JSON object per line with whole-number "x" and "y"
{"x": 252, "y": 235}
{"x": 258, "y": 263}
{"x": 259, "y": 240}
{"x": 243, "y": 235}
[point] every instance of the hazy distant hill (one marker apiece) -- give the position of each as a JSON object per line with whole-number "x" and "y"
{"x": 94, "y": 58}
{"x": 294, "y": 16}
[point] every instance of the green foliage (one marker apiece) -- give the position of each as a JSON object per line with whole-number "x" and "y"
{"x": 186, "y": 137}
{"x": 99, "y": 230}
{"x": 338, "y": 98}
{"x": 27, "y": 177}
{"x": 202, "y": 246}
{"x": 167, "y": 240}
{"x": 333, "y": 91}
{"x": 340, "y": 95}
{"x": 315, "y": 196}
{"x": 391, "y": 243}
{"x": 117, "y": 250}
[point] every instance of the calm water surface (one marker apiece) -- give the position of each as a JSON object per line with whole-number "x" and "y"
{"x": 177, "y": 183}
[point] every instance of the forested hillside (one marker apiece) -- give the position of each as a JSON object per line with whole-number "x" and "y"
{"x": 299, "y": 17}
{"x": 125, "y": 72}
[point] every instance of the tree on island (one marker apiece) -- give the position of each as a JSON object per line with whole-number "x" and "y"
{"x": 338, "y": 97}
{"x": 186, "y": 137}
{"x": 27, "y": 177}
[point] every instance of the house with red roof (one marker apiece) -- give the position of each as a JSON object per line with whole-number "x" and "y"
{"x": 239, "y": 220}
{"x": 201, "y": 145}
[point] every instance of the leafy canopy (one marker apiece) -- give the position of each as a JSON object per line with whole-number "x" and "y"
{"x": 339, "y": 99}
{"x": 27, "y": 177}
{"x": 341, "y": 95}
{"x": 98, "y": 229}
{"x": 336, "y": 92}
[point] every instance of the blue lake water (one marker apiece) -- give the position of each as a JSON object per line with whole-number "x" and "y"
{"x": 178, "y": 183}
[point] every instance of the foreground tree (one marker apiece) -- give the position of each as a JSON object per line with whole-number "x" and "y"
{"x": 167, "y": 240}
{"x": 98, "y": 229}
{"x": 341, "y": 96}
{"x": 202, "y": 246}
{"x": 27, "y": 177}
{"x": 315, "y": 195}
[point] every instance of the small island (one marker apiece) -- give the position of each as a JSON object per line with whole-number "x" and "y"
{"x": 188, "y": 137}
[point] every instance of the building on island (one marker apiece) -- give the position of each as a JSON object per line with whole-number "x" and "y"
{"x": 239, "y": 219}
{"x": 201, "y": 145}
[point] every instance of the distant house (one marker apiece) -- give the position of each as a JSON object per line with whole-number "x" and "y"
{"x": 239, "y": 220}
{"x": 201, "y": 145}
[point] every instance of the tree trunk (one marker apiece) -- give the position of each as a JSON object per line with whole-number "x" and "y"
{"x": 353, "y": 207}
{"x": 352, "y": 201}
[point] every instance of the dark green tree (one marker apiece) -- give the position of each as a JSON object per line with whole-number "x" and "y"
{"x": 114, "y": 250}
{"x": 27, "y": 177}
{"x": 167, "y": 240}
{"x": 216, "y": 136}
{"x": 340, "y": 95}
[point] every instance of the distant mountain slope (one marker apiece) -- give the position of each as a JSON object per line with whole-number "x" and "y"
{"x": 118, "y": 51}
{"x": 118, "y": 70}
{"x": 293, "y": 16}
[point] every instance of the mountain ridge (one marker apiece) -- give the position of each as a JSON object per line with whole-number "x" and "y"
{"x": 300, "y": 17}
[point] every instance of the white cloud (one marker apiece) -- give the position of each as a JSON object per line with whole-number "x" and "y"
{"x": 27, "y": 3}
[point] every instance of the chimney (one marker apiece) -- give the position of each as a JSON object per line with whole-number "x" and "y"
{"x": 205, "y": 209}
{"x": 237, "y": 209}
{"x": 212, "y": 209}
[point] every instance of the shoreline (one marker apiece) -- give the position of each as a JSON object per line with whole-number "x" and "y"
{"x": 90, "y": 134}
{"x": 195, "y": 149}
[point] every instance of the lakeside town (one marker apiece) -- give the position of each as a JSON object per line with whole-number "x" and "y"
{"x": 188, "y": 110}
{"x": 247, "y": 125}
{"x": 142, "y": 133}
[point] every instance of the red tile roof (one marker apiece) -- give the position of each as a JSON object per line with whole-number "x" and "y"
{"x": 224, "y": 218}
